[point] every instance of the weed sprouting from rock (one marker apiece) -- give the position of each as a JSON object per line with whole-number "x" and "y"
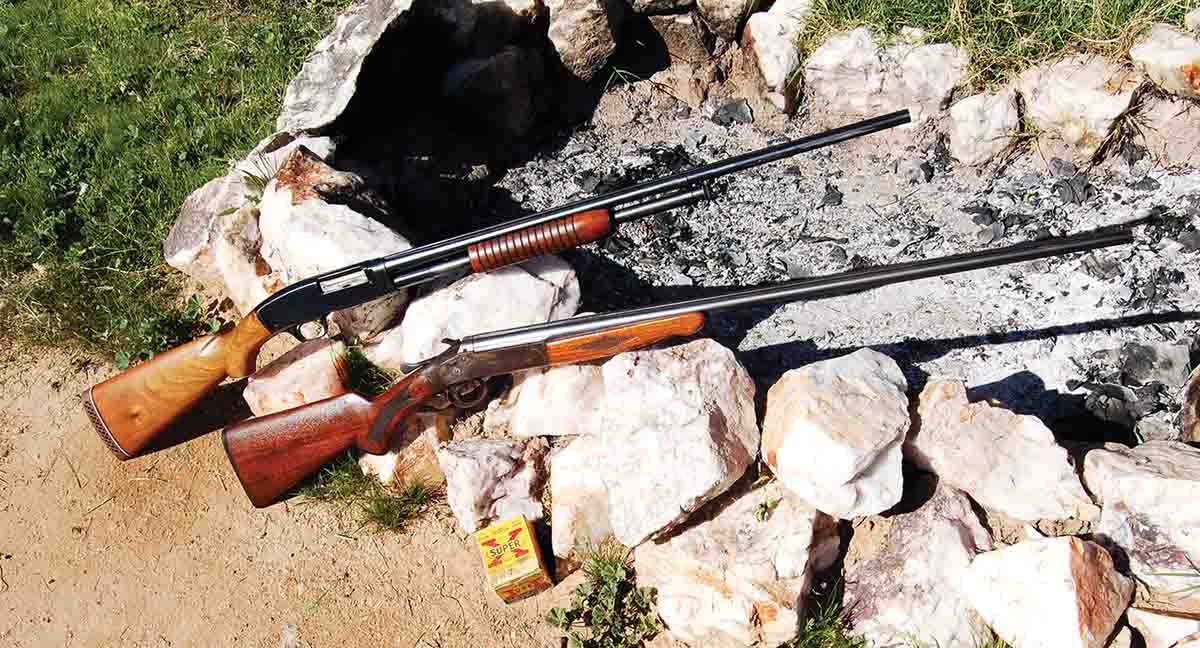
{"x": 608, "y": 610}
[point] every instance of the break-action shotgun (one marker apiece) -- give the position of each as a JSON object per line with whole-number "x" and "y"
{"x": 271, "y": 454}
{"x": 129, "y": 409}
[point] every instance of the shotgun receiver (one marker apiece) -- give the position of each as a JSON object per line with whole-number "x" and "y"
{"x": 131, "y": 408}
{"x": 273, "y": 453}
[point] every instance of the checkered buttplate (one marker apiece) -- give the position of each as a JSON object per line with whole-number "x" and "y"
{"x": 101, "y": 428}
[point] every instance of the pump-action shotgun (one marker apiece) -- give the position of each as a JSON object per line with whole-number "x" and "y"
{"x": 131, "y": 408}
{"x": 273, "y": 453}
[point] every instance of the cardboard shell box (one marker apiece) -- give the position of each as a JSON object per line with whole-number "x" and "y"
{"x": 512, "y": 559}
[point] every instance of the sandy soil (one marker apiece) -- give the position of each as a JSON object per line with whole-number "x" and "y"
{"x": 165, "y": 550}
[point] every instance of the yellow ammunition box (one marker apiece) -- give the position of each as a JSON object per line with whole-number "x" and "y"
{"x": 512, "y": 559}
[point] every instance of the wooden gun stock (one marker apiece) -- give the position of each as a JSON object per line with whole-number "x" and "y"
{"x": 272, "y": 454}
{"x": 133, "y": 406}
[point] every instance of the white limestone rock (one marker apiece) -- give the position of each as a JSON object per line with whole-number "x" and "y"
{"x": 533, "y": 292}
{"x": 1053, "y": 593}
{"x": 734, "y": 580}
{"x": 247, "y": 278}
{"x": 585, "y": 33}
{"x": 1192, "y": 20}
{"x": 489, "y": 480}
{"x": 1190, "y": 641}
{"x": 1189, "y": 410}
{"x": 1007, "y": 462}
{"x": 303, "y": 236}
{"x": 982, "y": 126}
{"x": 557, "y": 401}
{"x": 1150, "y": 516}
{"x": 206, "y": 246}
{"x": 1161, "y": 630}
{"x": 772, "y": 35}
{"x": 322, "y": 89}
{"x": 678, "y": 428}
{"x": 578, "y": 497}
{"x": 412, "y": 457}
{"x": 681, "y": 426}
{"x": 305, "y": 374}
{"x": 912, "y": 588}
{"x": 852, "y": 74}
{"x": 821, "y": 411}
{"x": 1078, "y": 99}
{"x": 1168, "y": 130}
{"x": 1170, "y": 58}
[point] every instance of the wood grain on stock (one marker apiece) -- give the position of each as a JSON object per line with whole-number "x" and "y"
{"x": 547, "y": 238}
{"x": 271, "y": 454}
{"x": 604, "y": 344}
{"x": 130, "y": 408}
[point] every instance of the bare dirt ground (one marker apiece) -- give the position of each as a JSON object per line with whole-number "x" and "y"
{"x": 165, "y": 549}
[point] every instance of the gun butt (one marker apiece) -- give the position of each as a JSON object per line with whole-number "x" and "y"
{"x": 272, "y": 454}
{"x": 130, "y": 409}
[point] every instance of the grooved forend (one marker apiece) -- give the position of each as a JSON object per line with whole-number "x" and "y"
{"x": 101, "y": 426}
{"x": 547, "y": 238}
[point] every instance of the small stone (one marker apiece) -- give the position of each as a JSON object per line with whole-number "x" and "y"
{"x": 491, "y": 479}
{"x": 852, "y": 73}
{"x": 1060, "y": 168}
{"x": 1149, "y": 516}
{"x": 982, "y": 126}
{"x": 1146, "y": 184}
{"x": 772, "y": 36}
{"x": 1171, "y": 58}
{"x": 722, "y": 17}
{"x": 912, "y": 587}
{"x": 926, "y": 171}
{"x": 585, "y": 33}
{"x": 739, "y": 258}
{"x": 412, "y": 458}
{"x": 986, "y": 235}
{"x": 1078, "y": 99}
{"x": 734, "y": 112}
{"x": 740, "y": 577}
{"x": 305, "y": 374}
{"x": 817, "y": 410}
{"x": 1005, "y": 461}
{"x": 1053, "y": 593}
{"x": 832, "y": 197}
{"x": 1192, "y": 20}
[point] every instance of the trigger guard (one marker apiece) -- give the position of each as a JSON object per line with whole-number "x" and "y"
{"x": 298, "y": 330}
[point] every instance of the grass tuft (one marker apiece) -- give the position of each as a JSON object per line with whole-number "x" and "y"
{"x": 111, "y": 113}
{"x": 826, "y": 625}
{"x": 1002, "y": 37}
{"x": 384, "y": 507}
{"x": 361, "y": 375}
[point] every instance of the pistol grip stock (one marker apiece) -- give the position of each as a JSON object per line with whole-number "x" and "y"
{"x": 131, "y": 408}
{"x": 605, "y": 344}
{"x": 272, "y": 454}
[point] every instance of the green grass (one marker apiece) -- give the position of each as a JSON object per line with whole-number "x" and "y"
{"x": 383, "y": 507}
{"x": 110, "y": 114}
{"x": 826, "y": 626}
{"x": 1002, "y": 37}
{"x": 363, "y": 376}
